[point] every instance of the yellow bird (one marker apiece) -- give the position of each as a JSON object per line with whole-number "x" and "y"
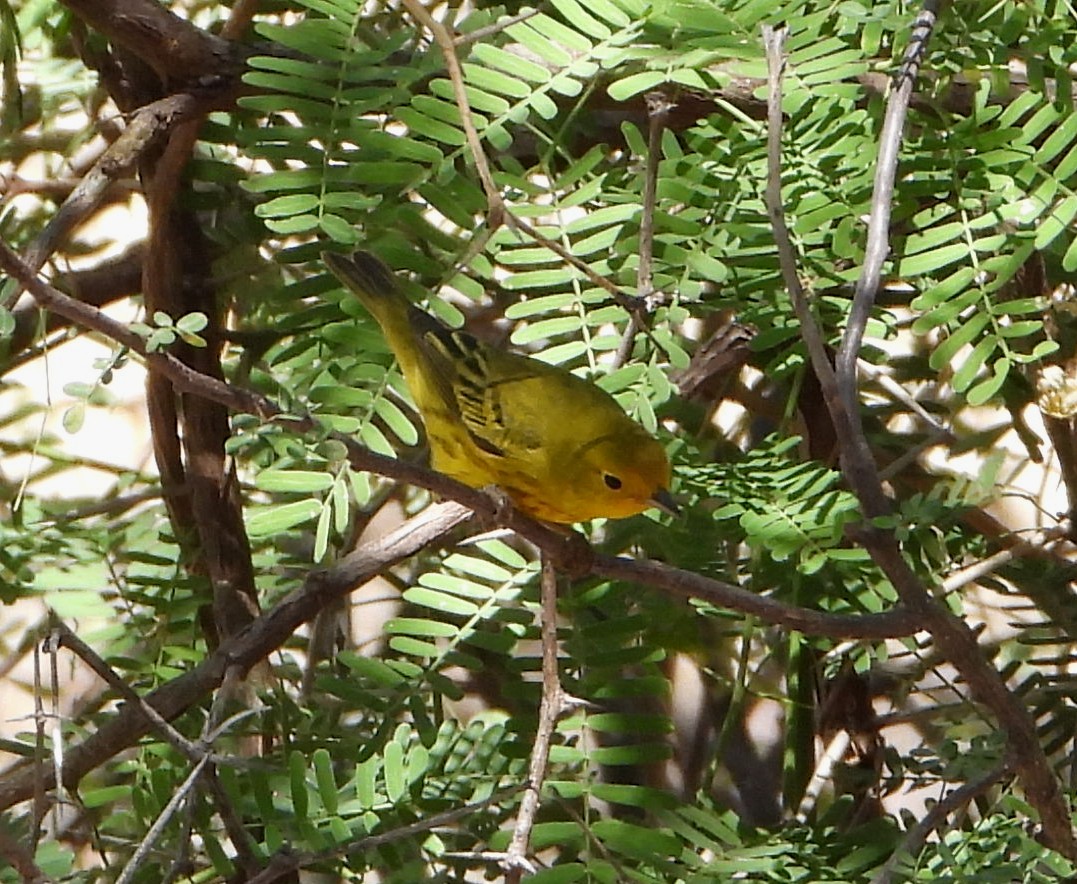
{"x": 560, "y": 447}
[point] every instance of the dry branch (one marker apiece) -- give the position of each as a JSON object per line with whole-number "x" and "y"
{"x": 841, "y": 393}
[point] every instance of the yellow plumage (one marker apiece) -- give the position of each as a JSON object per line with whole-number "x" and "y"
{"x": 562, "y": 448}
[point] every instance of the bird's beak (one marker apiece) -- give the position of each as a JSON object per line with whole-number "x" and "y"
{"x": 665, "y": 502}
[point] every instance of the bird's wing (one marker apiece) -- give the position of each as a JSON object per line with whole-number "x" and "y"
{"x": 497, "y": 396}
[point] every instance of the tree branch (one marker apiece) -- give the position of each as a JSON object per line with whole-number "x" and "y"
{"x": 181, "y": 53}
{"x": 516, "y": 861}
{"x": 917, "y": 836}
{"x": 842, "y": 399}
{"x": 267, "y": 632}
{"x": 273, "y": 628}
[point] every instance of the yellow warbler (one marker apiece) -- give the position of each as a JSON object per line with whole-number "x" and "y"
{"x": 561, "y": 448}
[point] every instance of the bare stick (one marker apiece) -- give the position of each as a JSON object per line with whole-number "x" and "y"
{"x": 51, "y": 645}
{"x": 498, "y": 213}
{"x": 496, "y": 28}
{"x": 658, "y": 108}
{"x": 90, "y": 657}
{"x": 915, "y": 838}
{"x": 445, "y": 41}
{"x": 162, "y": 820}
{"x": 40, "y": 785}
{"x": 878, "y": 242}
{"x": 633, "y": 305}
{"x": 866, "y": 482}
{"x": 948, "y": 632}
{"x": 148, "y": 125}
{"x": 823, "y": 773}
{"x": 285, "y": 863}
{"x": 516, "y": 860}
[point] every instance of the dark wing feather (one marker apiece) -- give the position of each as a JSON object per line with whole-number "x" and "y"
{"x": 480, "y": 379}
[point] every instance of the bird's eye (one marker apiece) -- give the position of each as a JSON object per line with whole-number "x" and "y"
{"x": 612, "y": 482}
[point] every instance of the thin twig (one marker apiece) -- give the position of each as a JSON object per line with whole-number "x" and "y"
{"x": 658, "y": 108}
{"x": 163, "y": 818}
{"x": 858, "y": 465}
{"x": 51, "y": 646}
{"x": 497, "y": 212}
{"x": 823, "y": 773}
{"x": 40, "y": 785}
{"x": 634, "y": 306}
{"x": 285, "y": 863}
{"x": 898, "y": 621}
{"x": 875, "y": 373}
{"x": 445, "y": 41}
{"x": 913, "y": 452}
{"x": 917, "y": 836}
{"x": 496, "y": 28}
{"x": 867, "y": 485}
{"x": 241, "y": 840}
{"x": 149, "y": 124}
{"x": 516, "y": 860}
{"x": 856, "y": 455}
{"x": 1039, "y": 541}
{"x": 91, "y": 658}
{"x": 878, "y": 246}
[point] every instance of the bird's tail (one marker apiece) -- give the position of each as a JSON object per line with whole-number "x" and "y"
{"x": 371, "y": 281}
{"x": 375, "y": 286}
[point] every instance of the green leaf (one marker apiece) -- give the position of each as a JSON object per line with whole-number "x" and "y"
{"x": 297, "y": 774}
{"x": 396, "y": 420}
{"x": 372, "y": 668}
{"x": 293, "y": 481}
{"x": 105, "y": 795}
{"x": 338, "y": 229}
{"x": 286, "y": 206}
{"x": 581, "y": 20}
{"x": 323, "y": 774}
{"x": 987, "y": 389}
{"x": 271, "y": 520}
{"x": 415, "y": 626}
{"x": 634, "y": 84}
{"x": 192, "y": 323}
{"x": 633, "y": 840}
{"x": 366, "y": 773}
{"x": 321, "y": 533}
{"x": 439, "y": 601}
{"x": 74, "y": 417}
{"x": 947, "y": 350}
{"x": 395, "y": 780}
{"x": 970, "y": 367}
{"x": 931, "y": 260}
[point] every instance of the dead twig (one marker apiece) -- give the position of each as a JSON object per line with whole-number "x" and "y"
{"x": 284, "y": 864}
{"x": 917, "y": 836}
{"x": 841, "y": 394}
{"x": 516, "y": 861}
{"x": 658, "y": 108}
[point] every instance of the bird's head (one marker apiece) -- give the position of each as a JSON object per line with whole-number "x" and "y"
{"x": 621, "y": 475}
